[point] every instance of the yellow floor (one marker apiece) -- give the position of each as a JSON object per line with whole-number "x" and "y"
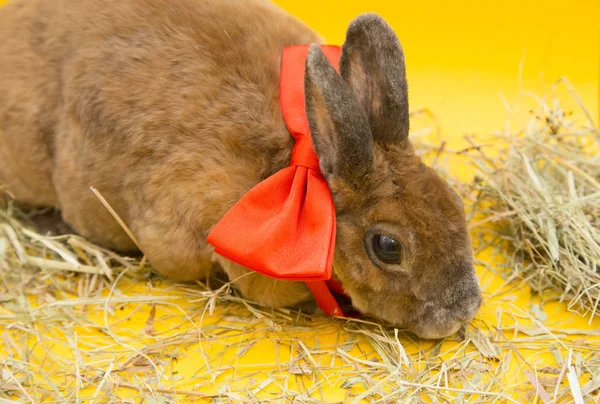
{"x": 466, "y": 62}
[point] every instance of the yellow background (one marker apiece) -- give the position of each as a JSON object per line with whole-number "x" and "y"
{"x": 466, "y": 61}
{"x": 463, "y": 55}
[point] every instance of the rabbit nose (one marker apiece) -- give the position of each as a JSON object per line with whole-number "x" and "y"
{"x": 444, "y": 314}
{"x": 438, "y": 322}
{"x": 463, "y": 302}
{"x": 472, "y": 308}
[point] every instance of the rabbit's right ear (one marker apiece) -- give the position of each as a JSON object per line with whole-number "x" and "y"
{"x": 339, "y": 126}
{"x": 372, "y": 63}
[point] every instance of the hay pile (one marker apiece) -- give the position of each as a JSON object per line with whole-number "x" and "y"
{"x": 543, "y": 190}
{"x": 79, "y": 323}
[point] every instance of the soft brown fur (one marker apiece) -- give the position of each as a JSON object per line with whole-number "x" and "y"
{"x": 170, "y": 109}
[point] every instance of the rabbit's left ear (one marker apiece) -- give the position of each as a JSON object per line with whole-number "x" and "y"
{"x": 338, "y": 125}
{"x": 372, "y": 63}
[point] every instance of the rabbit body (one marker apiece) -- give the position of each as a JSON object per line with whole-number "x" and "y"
{"x": 170, "y": 109}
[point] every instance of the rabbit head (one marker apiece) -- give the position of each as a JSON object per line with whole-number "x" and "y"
{"x": 403, "y": 251}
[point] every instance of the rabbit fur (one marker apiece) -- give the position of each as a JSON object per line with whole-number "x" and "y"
{"x": 170, "y": 109}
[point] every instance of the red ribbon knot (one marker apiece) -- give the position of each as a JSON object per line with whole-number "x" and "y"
{"x": 284, "y": 227}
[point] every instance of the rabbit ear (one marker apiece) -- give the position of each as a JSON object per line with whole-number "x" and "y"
{"x": 339, "y": 126}
{"x": 372, "y": 63}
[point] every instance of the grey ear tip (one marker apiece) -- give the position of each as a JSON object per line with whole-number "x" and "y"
{"x": 370, "y": 16}
{"x": 367, "y": 20}
{"x": 315, "y": 56}
{"x": 313, "y": 49}
{"x": 372, "y": 25}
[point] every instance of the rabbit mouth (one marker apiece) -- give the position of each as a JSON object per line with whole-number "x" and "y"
{"x": 430, "y": 323}
{"x": 437, "y": 333}
{"x": 438, "y": 321}
{"x": 426, "y": 319}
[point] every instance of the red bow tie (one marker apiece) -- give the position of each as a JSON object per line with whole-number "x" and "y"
{"x": 284, "y": 227}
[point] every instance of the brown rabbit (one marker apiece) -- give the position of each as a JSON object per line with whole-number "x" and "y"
{"x": 170, "y": 109}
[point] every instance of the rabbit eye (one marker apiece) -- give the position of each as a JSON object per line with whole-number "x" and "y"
{"x": 387, "y": 249}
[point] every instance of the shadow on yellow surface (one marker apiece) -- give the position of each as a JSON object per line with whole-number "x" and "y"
{"x": 468, "y": 63}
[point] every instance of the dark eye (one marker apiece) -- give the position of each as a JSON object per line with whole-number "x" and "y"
{"x": 387, "y": 249}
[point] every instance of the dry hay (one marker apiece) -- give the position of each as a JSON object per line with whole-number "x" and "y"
{"x": 79, "y": 323}
{"x": 543, "y": 190}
